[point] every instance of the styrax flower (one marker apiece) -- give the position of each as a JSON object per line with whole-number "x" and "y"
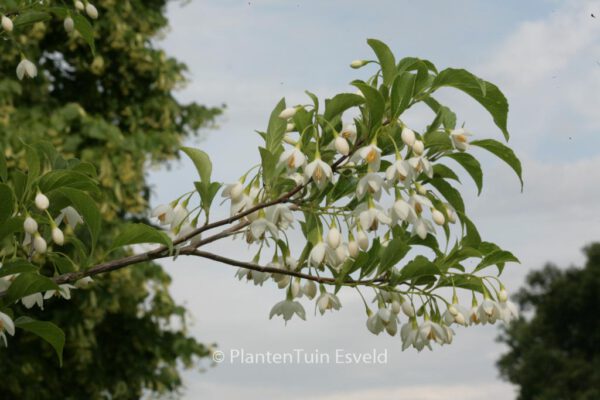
{"x": 358, "y": 63}
{"x": 421, "y": 164}
{"x": 259, "y": 227}
{"x": 164, "y": 213}
{"x": 349, "y": 132}
{"x": 292, "y": 158}
{"x": 41, "y": 201}
{"x": 39, "y": 244}
{"x": 280, "y": 215}
{"x": 70, "y": 216}
{"x": 328, "y": 301}
{"x": 438, "y": 217}
{"x": 372, "y": 216}
{"x": 319, "y": 171}
{"x": 288, "y": 113}
{"x": 370, "y": 183}
{"x": 7, "y": 24}
{"x": 58, "y": 236}
{"x": 408, "y": 137}
{"x": 26, "y": 69}
{"x": 309, "y": 289}
{"x": 430, "y": 330}
{"x": 400, "y": 170}
{"x": 460, "y": 139}
{"x": 33, "y": 299}
{"x": 362, "y": 240}
{"x": 317, "y": 254}
{"x": 63, "y": 291}
{"x": 233, "y": 191}
{"x": 334, "y": 238}
{"x": 353, "y": 248}
{"x": 342, "y": 146}
{"x": 456, "y": 314}
{"x": 410, "y": 335}
{"x": 508, "y": 311}
{"x": 258, "y": 277}
{"x": 402, "y": 211}
{"x": 287, "y": 309}
{"x": 489, "y": 311}
{"x": 371, "y": 154}
{"x": 6, "y": 326}
{"x": 30, "y": 225}
{"x": 418, "y": 147}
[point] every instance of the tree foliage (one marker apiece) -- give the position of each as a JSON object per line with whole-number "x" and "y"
{"x": 554, "y": 354}
{"x": 115, "y": 110}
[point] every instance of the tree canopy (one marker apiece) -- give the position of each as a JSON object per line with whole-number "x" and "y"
{"x": 553, "y": 350}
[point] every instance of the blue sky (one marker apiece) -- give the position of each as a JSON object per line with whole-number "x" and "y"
{"x": 543, "y": 54}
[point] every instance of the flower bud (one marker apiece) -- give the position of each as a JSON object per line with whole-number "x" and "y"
{"x": 69, "y": 24}
{"x": 30, "y": 225}
{"x": 408, "y": 137}
{"x": 41, "y": 201}
{"x": 334, "y": 238}
{"x": 438, "y": 217}
{"x": 7, "y": 24}
{"x": 342, "y": 146}
{"x": 353, "y": 248}
{"x": 39, "y": 244}
{"x": 309, "y": 289}
{"x": 396, "y": 307}
{"x": 418, "y": 147}
{"x": 503, "y": 295}
{"x": 57, "y": 236}
{"x": 295, "y": 289}
{"x": 83, "y": 282}
{"x": 460, "y": 319}
{"x": 79, "y": 5}
{"x": 358, "y": 63}
{"x": 408, "y": 309}
{"x": 91, "y": 11}
{"x": 363, "y": 240}
{"x": 290, "y": 127}
{"x": 288, "y": 113}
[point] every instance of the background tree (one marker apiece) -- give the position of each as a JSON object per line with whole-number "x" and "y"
{"x": 555, "y": 353}
{"x": 116, "y": 110}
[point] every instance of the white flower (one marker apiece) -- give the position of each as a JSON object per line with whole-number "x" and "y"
{"x": 328, "y": 301}
{"x": 79, "y": 5}
{"x": 433, "y": 331}
{"x": 342, "y": 146}
{"x": 358, "y": 63}
{"x": 298, "y": 178}
{"x": 508, "y": 311}
{"x": 353, "y": 249}
{"x": 289, "y": 127}
{"x": 419, "y": 202}
{"x": 41, "y": 201}
{"x": 371, "y": 154}
{"x": 369, "y": 183}
{"x": 317, "y": 254}
{"x": 33, "y": 299}
{"x": 418, "y": 147}
{"x": 39, "y": 244}
{"x": 474, "y": 315}
{"x": 164, "y": 213}
{"x": 69, "y": 24}
{"x": 258, "y": 277}
{"x": 91, "y": 11}
{"x": 400, "y": 170}
{"x": 456, "y": 314}
{"x": 362, "y": 239}
{"x": 384, "y": 318}
{"x": 489, "y": 311}
{"x": 63, "y": 291}
{"x": 502, "y": 295}
{"x": 349, "y": 132}
{"x": 7, "y": 24}
{"x": 6, "y": 325}
{"x": 402, "y": 211}
{"x": 375, "y": 324}
{"x": 241, "y": 205}
{"x": 30, "y": 225}
{"x": 292, "y": 158}
{"x": 58, "y": 236}
{"x": 408, "y": 137}
{"x": 259, "y": 228}
{"x": 421, "y": 227}
{"x": 26, "y": 69}
{"x": 288, "y": 113}
{"x": 309, "y": 289}
{"x": 438, "y": 217}
{"x": 407, "y": 308}
{"x": 421, "y": 164}
{"x": 83, "y": 282}
{"x": 287, "y": 309}
{"x": 280, "y": 215}
{"x": 450, "y": 213}
{"x": 234, "y": 191}
{"x": 372, "y": 216}
{"x": 410, "y": 335}
{"x": 341, "y": 254}
{"x": 319, "y": 171}
{"x": 180, "y": 214}
{"x": 334, "y": 238}
{"x": 70, "y": 216}
{"x": 460, "y": 139}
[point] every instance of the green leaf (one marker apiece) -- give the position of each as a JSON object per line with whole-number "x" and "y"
{"x": 86, "y": 206}
{"x": 418, "y": 267}
{"x": 486, "y": 93}
{"x": 17, "y": 267}
{"x": 3, "y": 168}
{"x": 472, "y": 237}
{"x": 141, "y": 233}
{"x": 45, "y": 330}
{"x": 386, "y": 60}
{"x": 450, "y": 193}
{"x": 269, "y": 165}
{"x": 340, "y": 103}
{"x": 393, "y": 253}
{"x": 503, "y": 152}
{"x": 498, "y": 257}
{"x": 10, "y": 226}
{"x": 402, "y": 93}
{"x": 33, "y": 165}
{"x": 375, "y": 103}
{"x": 202, "y": 162}
{"x": 471, "y": 165}
{"x": 67, "y": 178}
{"x": 30, "y": 17}
{"x": 28, "y": 283}
{"x": 442, "y": 171}
{"x": 85, "y": 29}
{"x": 207, "y": 192}
{"x": 276, "y": 128}
{"x": 7, "y": 202}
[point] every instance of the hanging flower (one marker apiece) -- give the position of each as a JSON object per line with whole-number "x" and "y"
{"x": 280, "y": 215}
{"x": 30, "y": 225}
{"x": 63, "y": 291}
{"x": 164, "y": 213}
{"x": 317, "y": 254}
{"x": 7, "y": 24}
{"x": 421, "y": 164}
{"x": 371, "y": 154}
{"x": 456, "y": 314}
{"x": 328, "y": 301}
{"x": 309, "y": 289}
{"x": 372, "y": 216}
{"x": 259, "y": 228}
{"x": 26, "y": 69}
{"x": 400, "y": 170}
{"x": 41, "y": 201}
{"x": 58, "y": 236}
{"x": 370, "y": 183}
{"x": 287, "y": 309}
{"x": 70, "y": 216}
{"x": 6, "y": 326}
{"x": 349, "y": 132}
{"x": 342, "y": 146}
{"x": 408, "y": 137}
{"x": 32, "y": 300}
{"x": 489, "y": 311}
{"x": 39, "y": 244}
{"x": 319, "y": 171}
{"x": 288, "y": 113}
{"x": 402, "y": 211}
{"x": 233, "y": 191}
{"x": 418, "y": 147}
{"x": 438, "y": 217}
{"x": 292, "y": 158}
{"x": 460, "y": 139}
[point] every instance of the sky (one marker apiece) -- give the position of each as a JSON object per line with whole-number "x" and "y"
{"x": 543, "y": 54}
